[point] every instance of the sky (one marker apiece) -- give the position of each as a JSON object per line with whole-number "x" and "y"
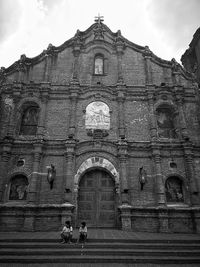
{"x": 28, "y": 26}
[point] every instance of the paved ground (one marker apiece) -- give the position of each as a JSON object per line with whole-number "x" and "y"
{"x": 101, "y": 234}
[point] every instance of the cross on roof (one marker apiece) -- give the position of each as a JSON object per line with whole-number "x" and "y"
{"x": 99, "y": 19}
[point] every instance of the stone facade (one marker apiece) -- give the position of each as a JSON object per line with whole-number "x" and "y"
{"x": 191, "y": 58}
{"x": 99, "y": 102}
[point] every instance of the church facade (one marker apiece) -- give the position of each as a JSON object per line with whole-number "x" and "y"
{"x": 100, "y": 130}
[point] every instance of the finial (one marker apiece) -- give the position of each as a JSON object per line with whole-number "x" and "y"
{"x": 99, "y": 19}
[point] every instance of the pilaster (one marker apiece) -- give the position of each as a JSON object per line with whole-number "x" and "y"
{"x": 147, "y": 54}
{"x": 34, "y": 183}
{"x": 120, "y": 46}
{"x": 77, "y": 44}
{"x": 152, "y": 118}
{"x": 49, "y": 54}
{"x": 191, "y": 175}
{"x": 21, "y": 68}
{"x": 74, "y": 93}
{"x": 160, "y": 187}
{"x": 45, "y": 88}
{"x": 12, "y": 104}
{"x": 69, "y": 165}
{"x": 175, "y": 72}
{"x": 5, "y": 157}
{"x": 121, "y": 99}
{"x": 122, "y": 155}
{"x": 180, "y": 99}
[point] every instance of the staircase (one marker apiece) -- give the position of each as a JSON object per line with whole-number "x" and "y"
{"x": 102, "y": 251}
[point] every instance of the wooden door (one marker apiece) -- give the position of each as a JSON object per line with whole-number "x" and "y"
{"x": 96, "y": 202}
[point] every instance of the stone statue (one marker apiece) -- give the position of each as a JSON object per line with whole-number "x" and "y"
{"x": 51, "y": 175}
{"x": 142, "y": 177}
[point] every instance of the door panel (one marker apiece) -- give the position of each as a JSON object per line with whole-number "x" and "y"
{"x": 96, "y": 203}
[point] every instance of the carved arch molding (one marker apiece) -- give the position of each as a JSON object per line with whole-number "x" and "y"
{"x": 96, "y": 162}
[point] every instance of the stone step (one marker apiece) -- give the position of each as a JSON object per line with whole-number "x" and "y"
{"x": 40, "y": 250}
{"x": 98, "y": 240}
{"x": 99, "y": 259}
{"x": 55, "y": 245}
{"x": 95, "y": 251}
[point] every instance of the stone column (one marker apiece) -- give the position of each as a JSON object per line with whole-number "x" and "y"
{"x": 5, "y": 156}
{"x": 122, "y": 155}
{"x": 43, "y": 111}
{"x": 191, "y": 175}
{"x": 120, "y": 99}
{"x": 152, "y": 118}
{"x": 33, "y": 182}
{"x": 159, "y": 177}
{"x": 69, "y": 166}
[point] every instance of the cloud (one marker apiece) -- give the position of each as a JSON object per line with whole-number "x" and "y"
{"x": 10, "y": 12}
{"x": 175, "y": 21}
{"x": 28, "y": 26}
{"x": 49, "y": 4}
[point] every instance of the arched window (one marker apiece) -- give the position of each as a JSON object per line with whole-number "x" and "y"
{"x": 18, "y": 187}
{"x": 99, "y": 65}
{"x": 165, "y": 122}
{"x": 29, "y": 121}
{"x": 174, "y": 190}
{"x": 97, "y": 116}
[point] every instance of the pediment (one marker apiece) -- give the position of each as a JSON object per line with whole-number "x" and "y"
{"x": 98, "y": 35}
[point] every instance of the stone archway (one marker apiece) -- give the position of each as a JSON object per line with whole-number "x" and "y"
{"x": 95, "y": 162}
{"x": 96, "y": 188}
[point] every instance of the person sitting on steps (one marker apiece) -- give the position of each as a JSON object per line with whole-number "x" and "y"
{"x": 82, "y": 233}
{"x": 66, "y": 233}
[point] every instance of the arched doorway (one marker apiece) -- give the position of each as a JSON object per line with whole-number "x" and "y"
{"x": 97, "y": 199}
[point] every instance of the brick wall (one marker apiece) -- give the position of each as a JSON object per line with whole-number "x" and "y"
{"x": 137, "y": 92}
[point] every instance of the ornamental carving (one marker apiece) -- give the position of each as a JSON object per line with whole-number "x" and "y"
{"x": 97, "y": 116}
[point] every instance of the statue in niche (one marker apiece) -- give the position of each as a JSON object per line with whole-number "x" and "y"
{"x": 18, "y": 188}
{"x": 29, "y": 121}
{"x": 51, "y": 175}
{"x": 173, "y": 188}
{"x": 98, "y": 65}
{"x": 142, "y": 177}
{"x": 165, "y": 123}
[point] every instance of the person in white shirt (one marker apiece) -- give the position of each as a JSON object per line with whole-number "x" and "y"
{"x": 82, "y": 233}
{"x": 67, "y": 233}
